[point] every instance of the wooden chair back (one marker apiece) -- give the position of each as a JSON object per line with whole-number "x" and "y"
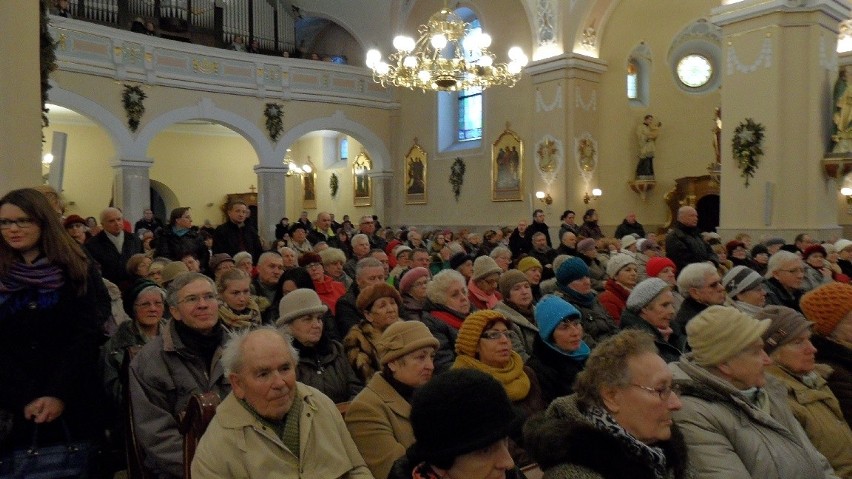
{"x": 199, "y": 412}
{"x": 343, "y": 407}
{"x": 532, "y": 471}
{"x": 133, "y": 451}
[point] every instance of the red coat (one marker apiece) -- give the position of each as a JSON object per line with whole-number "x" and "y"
{"x": 614, "y": 299}
{"x": 329, "y": 291}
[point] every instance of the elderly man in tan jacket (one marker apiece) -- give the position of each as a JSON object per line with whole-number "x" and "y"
{"x": 271, "y": 426}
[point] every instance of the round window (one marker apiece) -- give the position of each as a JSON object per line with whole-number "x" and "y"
{"x": 694, "y": 70}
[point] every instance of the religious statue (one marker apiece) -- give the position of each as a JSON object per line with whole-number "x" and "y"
{"x": 647, "y": 133}
{"x": 717, "y": 135}
{"x": 841, "y": 137}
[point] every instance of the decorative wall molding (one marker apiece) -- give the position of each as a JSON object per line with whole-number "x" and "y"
{"x": 586, "y": 155}
{"x": 539, "y": 101}
{"x": 592, "y": 104}
{"x": 764, "y": 57}
{"x": 545, "y": 22}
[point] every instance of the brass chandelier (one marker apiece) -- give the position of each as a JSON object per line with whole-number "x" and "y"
{"x": 449, "y": 56}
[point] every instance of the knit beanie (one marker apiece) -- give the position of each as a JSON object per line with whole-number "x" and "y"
{"x": 657, "y": 264}
{"x": 410, "y": 277}
{"x": 473, "y": 326}
{"x": 172, "y": 271}
{"x": 840, "y": 245}
{"x": 586, "y": 245}
{"x": 509, "y": 279}
{"x": 458, "y": 259}
{"x": 721, "y": 332}
{"x": 297, "y": 303}
{"x": 457, "y": 412}
{"x": 528, "y": 263}
{"x": 628, "y": 241}
{"x": 549, "y": 312}
{"x": 648, "y": 244}
{"x": 403, "y": 337}
{"x": 645, "y": 292}
{"x": 786, "y": 324}
{"x": 218, "y": 259}
{"x": 817, "y": 248}
{"x": 130, "y": 296}
{"x": 617, "y": 262}
{"x": 827, "y": 305}
{"x": 774, "y": 241}
{"x": 309, "y": 258}
{"x": 373, "y": 293}
{"x": 73, "y": 220}
{"x": 761, "y": 249}
{"x": 484, "y": 266}
{"x": 740, "y": 279}
{"x": 571, "y": 270}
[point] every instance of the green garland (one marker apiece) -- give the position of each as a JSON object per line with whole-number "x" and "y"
{"x": 333, "y": 184}
{"x": 47, "y": 63}
{"x": 274, "y": 113}
{"x": 133, "y": 98}
{"x": 457, "y": 176}
{"x": 747, "y": 147}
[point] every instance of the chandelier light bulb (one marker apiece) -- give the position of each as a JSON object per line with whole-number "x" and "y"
{"x": 409, "y": 62}
{"x": 424, "y": 76}
{"x": 485, "y": 61}
{"x": 484, "y": 40}
{"x": 382, "y": 68}
{"x": 373, "y": 58}
{"x": 307, "y": 168}
{"x": 438, "y": 41}
{"x": 596, "y": 192}
{"x": 403, "y": 43}
{"x": 539, "y": 195}
{"x": 47, "y": 159}
{"x": 515, "y": 53}
{"x": 845, "y": 191}
{"x": 514, "y": 68}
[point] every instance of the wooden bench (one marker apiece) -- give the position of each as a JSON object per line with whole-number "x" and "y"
{"x": 197, "y": 416}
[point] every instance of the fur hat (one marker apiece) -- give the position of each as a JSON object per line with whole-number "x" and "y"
{"x": 721, "y": 332}
{"x": 403, "y": 337}
{"x": 585, "y": 245}
{"x": 645, "y": 292}
{"x": 509, "y": 279}
{"x": 484, "y": 266}
{"x": 309, "y": 258}
{"x": 457, "y": 412}
{"x": 297, "y": 303}
{"x": 551, "y": 311}
{"x": 571, "y": 270}
{"x": 827, "y": 305}
{"x": 473, "y": 326}
{"x": 740, "y": 279}
{"x": 840, "y": 245}
{"x": 373, "y": 293}
{"x": 528, "y": 263}
{"x": 628, "y": 241}
{"x": 617, "y": 262}
{"x": 218, "y": 259}
{"x": 73, "y": 220}
{"x": 458, "y": 259}
{"x": 657, "y": 264}
{"x": 172, "y": 270}
{"x": 786, "y": 324}
{"x": 410, "y": 277}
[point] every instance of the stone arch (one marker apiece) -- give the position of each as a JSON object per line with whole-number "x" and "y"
{"x": 338, "y": 122}
{"x": 204, "y": 110}
{"x": 120, "y": 136}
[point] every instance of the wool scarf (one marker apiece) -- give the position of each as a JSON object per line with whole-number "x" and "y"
{"x": 585, "y": 300}
{"x": 233, "y": 320}
{"x": 654, "y": 456}
{"x": 26, "y": 283}
{"x": 489, "y": 299}
{"x": 513, "y": 378}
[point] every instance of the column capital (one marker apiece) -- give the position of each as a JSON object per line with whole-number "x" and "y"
{"x": 380, "y": 175}
{"x": 566, "y": 61}
{"x": 748, "y": 9}
{"x": 270, "y": 169}
{"x": 133, "y": 163}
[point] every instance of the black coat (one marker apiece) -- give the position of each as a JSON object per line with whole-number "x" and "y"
{"x": 839, "y": 357}
{"x": 667, "y": 350}
{"x": 346, "y": 313}
{"x": 169, "y": 245}
{"x": 326, "y": 368}
{"x": 688, "y": 310}
{"x": 556, "y": 372}
{"x": 684, "y": 246}
{"x": 626, "y": 228}
{"x": 230, "y": 238}
{"x": 534, "y": 228}
{"x": 113, "y": 264}
{"x": 778, "y": 295}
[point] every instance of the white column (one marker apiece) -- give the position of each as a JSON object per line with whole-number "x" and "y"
{"x": 383, "y": 204}
{"x": 132, "y": 187}
{"x": 270, "y": 198}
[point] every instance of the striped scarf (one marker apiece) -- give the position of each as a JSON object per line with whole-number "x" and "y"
{"x": 25, "y": 284}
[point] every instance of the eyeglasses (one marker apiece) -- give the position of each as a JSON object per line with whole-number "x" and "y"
{"x": 313, "y": 265}
{"x": 714, "y": 284}
{"x": 194, "y": 299}
{"x": 494, "y": 335}
{"x": 148, "y": 304}
{"x": 20, "y": 223}
{"x": 664, "y": 392}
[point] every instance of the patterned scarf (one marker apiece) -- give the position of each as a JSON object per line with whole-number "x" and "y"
{"x": 652, "y": 455}
{"x": 513, "y": 378}
{"x": 234, "y": 320}
{"x": 24, "y": 284}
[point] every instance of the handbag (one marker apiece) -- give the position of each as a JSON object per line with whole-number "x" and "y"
{"x": 67, "y": 460}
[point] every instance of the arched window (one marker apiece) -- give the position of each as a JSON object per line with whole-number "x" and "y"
{"x": 460, "y": 113}
{"x": 632, "y": 80}
{"x": 638, "y": 76}
{"x": 344, "y": 149}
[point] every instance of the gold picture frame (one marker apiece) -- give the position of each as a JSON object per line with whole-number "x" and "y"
{"x": 416, "y": 168}
{"x": 309, "y": 191}
{"x": 507, "y": 165}
{"x": 362, "y": 184}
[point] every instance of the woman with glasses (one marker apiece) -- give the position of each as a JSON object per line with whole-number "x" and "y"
{"x": 484, "y": 343}
{"x": 650, "y": 308}
{"x": 178, "y": 239}
{"x": 322, "y": 361}
{"x": 785, "y": 275}
{"x": 50, "y": 325}
{"x": 327, "y": 288}
{"x": 238, "y": 308}
{"x": 482, "y": 289}
{"x": 745, "y": 289}
{"x": 412, "y": 287}
{"x": 619, "y": 421}
{"x": 559, "y": 352}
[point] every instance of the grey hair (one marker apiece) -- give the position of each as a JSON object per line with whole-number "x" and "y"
{"x": 153, "y": 289}
{"x": 359, "y": 238}
{"x": 110, "y": 210}
{"x": 182, "y": 280}
{"x": 367, "y": 262}
{"x": 692, "y": 276}
{"x": 291, "y": 250}
{"x": 779, "y": 259}
{"x": 332, "y": 255}
{"x": 559, "y": 259}
{"x": 538, "y": 234}
{"x": 566, "y": 232}
{"x": 264, "y": 257}
{"x": 500, "y": 251}
{"x": 436, "y": 290}
{"x": 232, "y": 353}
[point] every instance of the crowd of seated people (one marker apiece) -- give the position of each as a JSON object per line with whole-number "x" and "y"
{"x": 673, "y": 358}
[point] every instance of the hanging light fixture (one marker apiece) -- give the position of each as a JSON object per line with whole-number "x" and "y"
{"x": 449, "y": 56}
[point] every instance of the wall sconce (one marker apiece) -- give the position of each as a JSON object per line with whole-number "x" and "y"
{"x": 596, "y": 192}
{"x": 544, "y": 197}
{"x": 47, "y": 159}
{"x": 847, "y": 192}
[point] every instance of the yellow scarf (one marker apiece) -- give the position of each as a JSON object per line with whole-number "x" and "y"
{"x": 513, "y": 378}
{"x": 239, "y": 321}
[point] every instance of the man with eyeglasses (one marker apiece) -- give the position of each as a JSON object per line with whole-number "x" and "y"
{"x": 182, "y": 361}
{"x": 785, "y": 274}
{"x": 701, "y": 287}
{"x": 368, "y": 227}
{"x": 734, "y": 417}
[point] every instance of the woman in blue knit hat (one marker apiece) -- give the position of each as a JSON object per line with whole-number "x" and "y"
{"x": 559, "y": 352}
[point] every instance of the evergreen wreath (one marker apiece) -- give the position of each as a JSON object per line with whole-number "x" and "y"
{"x": 274, "y": 114}
{"x": 47, "y": 63}
{"x": 457, "y": 176}
{"x": 333, "y": 184}
{"x": 132, "y": 98}
{"x": 747, "y": 147}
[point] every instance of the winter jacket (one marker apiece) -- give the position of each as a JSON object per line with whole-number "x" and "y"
{"x": 362, "y": 350}
{"x": 626, "y": 228}
{"x": 668, "y": 351}
{"x": 329, "y": 291}
{"x": 614, "y": 299}
{"x": 346, "y": 314}
{"x": 597, "y": 272}
{"x": 688, "y": 310}
{"x": 443, "y": 332}
{"x": 238, "y": 445}
{"x": 231, "y": 238}
{"x": 591, "y": 230}
{"x": 327, "y": 368}
{"x": 112, "y": 356}
{"x": 839, "y": 358}
{"x": 555, "y": 372}
{"x": 818, "y": 411}
{"x": 568, "y": 446}
{"x": 412, "y": 309}
{"x": 597, "y": 325}
{"x": 778, "y": 295}
{"x": 684, "y": 246}
{"x": 526, "y": 331}
{"x": 728, "y": 438}
{"x": 379, "y": 420}
{"x": 113, "y": 263}
{"x": 170, "y": 245}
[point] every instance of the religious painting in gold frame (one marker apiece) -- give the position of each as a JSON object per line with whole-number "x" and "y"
{"x": 415, "y": 175}
{"x": 309, "y": 190}
{"x": 362, "y": 184}
{"x": 507, "y": 160}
